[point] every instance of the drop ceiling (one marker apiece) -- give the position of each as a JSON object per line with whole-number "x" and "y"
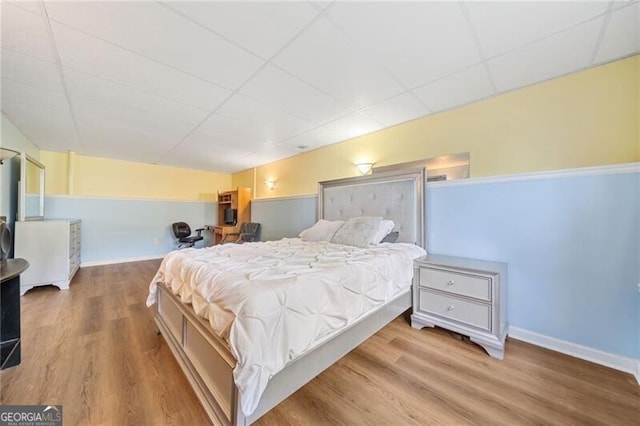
{"x": 225, "y": 86}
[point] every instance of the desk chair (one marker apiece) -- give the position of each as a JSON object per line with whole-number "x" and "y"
{"x": 248, "y": 233}
{"x": 182, "y": 231}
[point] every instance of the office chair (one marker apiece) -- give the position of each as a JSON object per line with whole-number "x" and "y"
{"x": 182, "y": 231}
{"x": 248, "y": 233}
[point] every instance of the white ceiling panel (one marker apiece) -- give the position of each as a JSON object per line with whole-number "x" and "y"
{"x": 457, "y": 89}
{"x": 26, "y": 32}
{"x": 398, "y": 109}
{"x": 88, "y": 54}
{"x": 157, "y": 32}
{"x": 276, "y": 88}
{"x": 324, "y": 58}
{"x": 227, "y": 135}
{"x": 30, "y": 70}
{"x": 502, "y": 26}
{"x": 312, "y": 139}
{"x": 352, "y": 125}
{"x": 32, "y": 6}
{"x": 560, "y": 54}
{"x": 418, "y": 41}
{"x": 42, "y": 115}
{"x": 101, "y": 121}
{"x": 166, "y": 112}
{"x": 139, "y": 152}
{"x": 274, "y": 125}
{"x": 622, "y": 37}
{"x": 260, "y": 27}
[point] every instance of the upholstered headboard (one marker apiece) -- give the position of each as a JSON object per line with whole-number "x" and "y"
{"x": 396, "y": 195}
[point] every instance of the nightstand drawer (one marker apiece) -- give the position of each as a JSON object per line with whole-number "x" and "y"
{"x": 457, "y": 283}
{"x": 475, "y": 314}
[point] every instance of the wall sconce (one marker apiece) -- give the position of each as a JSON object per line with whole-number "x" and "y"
{"x": 365, "y": 168}
{"x": 270, "y": 184}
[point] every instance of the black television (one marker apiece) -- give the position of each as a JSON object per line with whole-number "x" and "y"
{"x": 230, "y": 216}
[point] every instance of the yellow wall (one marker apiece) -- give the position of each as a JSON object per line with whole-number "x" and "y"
{"x": 244, "y": 179}
{"x": 80, "y": 175}
{"x": 585, "y": 119}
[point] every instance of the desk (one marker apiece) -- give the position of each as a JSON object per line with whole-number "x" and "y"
{"x": 220, "y": 232}
{"x": 10, "y": 311}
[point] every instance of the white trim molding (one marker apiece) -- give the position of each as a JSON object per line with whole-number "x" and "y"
{"x": 116, "y": 261}
{"x": 615, "y": 169}
{"x": 154, "y": 200}
{"x": 287, "y": 197}
{"x": 617, "y": 362}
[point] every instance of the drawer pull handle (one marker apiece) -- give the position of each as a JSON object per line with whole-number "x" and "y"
{"x": 450, "y": 308}
{"x": 450, "y": 283}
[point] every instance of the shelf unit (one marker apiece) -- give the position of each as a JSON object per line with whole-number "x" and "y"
{"x": 239, "y": 199}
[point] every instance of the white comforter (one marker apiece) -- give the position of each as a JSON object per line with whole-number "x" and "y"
{"x": 273, "y": 301}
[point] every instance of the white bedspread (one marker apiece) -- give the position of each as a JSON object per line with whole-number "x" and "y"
{"x": 273, "y": 301}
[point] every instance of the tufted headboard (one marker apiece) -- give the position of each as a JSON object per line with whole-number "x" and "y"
{"x": 396, "y": 195}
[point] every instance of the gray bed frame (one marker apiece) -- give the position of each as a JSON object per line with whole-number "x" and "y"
{"x": 206, "y": 359}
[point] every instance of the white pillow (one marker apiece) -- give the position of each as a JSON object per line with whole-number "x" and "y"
{"x": 322, "y": 230}
{"x": 358, "y": 231}
{"x": 386, "y": 226}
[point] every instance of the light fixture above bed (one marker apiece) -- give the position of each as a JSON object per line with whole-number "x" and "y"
{"x": 271, "y": 184}
{"x": 364, "y": 168}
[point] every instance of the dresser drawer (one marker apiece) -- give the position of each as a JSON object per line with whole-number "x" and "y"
{"x": 472, "y": 313}
{"x": 456, "y": 283}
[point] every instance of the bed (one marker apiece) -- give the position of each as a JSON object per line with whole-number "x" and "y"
{"x": 286, "y": 320}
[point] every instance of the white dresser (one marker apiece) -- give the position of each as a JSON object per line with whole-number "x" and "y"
{"x": 467, "y": 296}
{"x": 52, "y": 248}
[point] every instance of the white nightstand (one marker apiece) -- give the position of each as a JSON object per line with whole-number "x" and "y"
{"x": 467, "y": 296}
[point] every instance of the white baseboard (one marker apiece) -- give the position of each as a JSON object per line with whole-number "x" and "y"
{"x": 618, "y": 362}
{"x": 114, "y": 261}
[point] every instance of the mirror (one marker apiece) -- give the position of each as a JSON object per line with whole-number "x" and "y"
{"x": 31, "y": 189}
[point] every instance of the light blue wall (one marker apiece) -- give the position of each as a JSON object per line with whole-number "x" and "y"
{"x": 117, "y": 229}
{"x": 283, "y": 217}
{"x": 572, "y": 245}
{"x": 572, "y": 248}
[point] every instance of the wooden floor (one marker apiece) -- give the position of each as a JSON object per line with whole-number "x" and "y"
{"x": 94, "y": 350}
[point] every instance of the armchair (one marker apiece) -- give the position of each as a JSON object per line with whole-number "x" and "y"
{"x": 249, "y": 232}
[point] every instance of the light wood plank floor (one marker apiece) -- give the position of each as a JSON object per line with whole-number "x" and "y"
{"x": 94, "y": 350}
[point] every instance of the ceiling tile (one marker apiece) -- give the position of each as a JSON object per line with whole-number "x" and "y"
{"x": 457, "y": 89}
{"x": 396, "y": 110}
{"x": 161, "y": 110}
{"x": 622, "y": 37}
{"x": 261, "y": 27}
{"x": 26, "y": 32}
{"x": 274, "y": 125}
{"x": 31, "y": 6}
{"x": 27, "y": 69}
{"x": 502, "y": 26}
{"x": 42, "y": 115}
{"x": 418, "y": 41}
{"x": 227, "y": 135}
{"x": 156, "y": 32}
{"x": 560, "y": 54}
{"x": 100, "y": 123}
{"x": 324, "y": 58}
{"x": 88, "y": 54}
{"x": 353, "y": 125}
{"x": 312, "y": 139}
{"x": 276, "y": 88}
{"x": 267, "y": 155}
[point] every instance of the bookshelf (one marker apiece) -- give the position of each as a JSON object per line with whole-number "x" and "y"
{"x": 239, "y": 199}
